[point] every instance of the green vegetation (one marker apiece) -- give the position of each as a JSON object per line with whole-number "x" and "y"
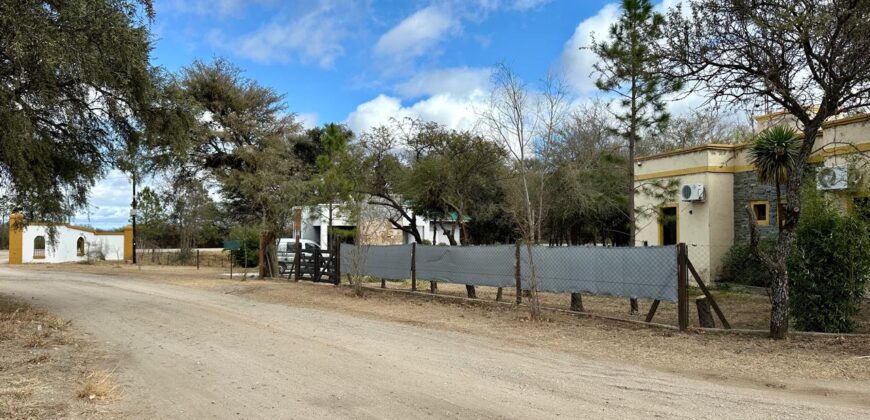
{"x": 830, "y": 267}
{"x": 742, "y": 266}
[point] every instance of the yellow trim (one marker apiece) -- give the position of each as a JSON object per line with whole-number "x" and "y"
{"x": 766, "y": 220}
{"x": 726, "y": 147}
{"x": 823, "y": 154}
{"x": 770, "y": 115}
{"x": 692, "y": 171}
{"x": 128, "y": 243}
{"x": 846, "y": 120}
{"x": 676, "y": 208}
{"x": 16, "y": 239}
{"x": 711, "y": 146}
{"x": 819, "y": 157}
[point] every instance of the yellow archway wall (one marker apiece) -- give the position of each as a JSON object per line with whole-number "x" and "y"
{"x": 16, "y": 238}
{"x": 128, "y": 243}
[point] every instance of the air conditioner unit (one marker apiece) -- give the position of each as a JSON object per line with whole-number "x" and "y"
{"x": 692, "y": 192}
{"x": 833, "y": 178}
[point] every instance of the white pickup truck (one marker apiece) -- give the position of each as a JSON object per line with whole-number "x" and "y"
{"x": 287, "y": 252}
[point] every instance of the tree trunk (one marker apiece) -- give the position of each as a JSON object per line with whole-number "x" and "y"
{"x": 268, "y": 255}
{"x": 471, "y": 291}
{"x": 779, "y": 308}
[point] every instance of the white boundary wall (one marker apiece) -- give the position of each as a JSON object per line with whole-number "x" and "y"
{"x": 64, "y": 247}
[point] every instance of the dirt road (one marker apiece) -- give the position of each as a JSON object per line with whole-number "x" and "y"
{"x": 190, "y": 353}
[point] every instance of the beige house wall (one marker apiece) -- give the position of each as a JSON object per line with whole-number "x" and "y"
{"x": 708, "y": 227}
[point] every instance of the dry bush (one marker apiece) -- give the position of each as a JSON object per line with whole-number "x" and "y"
{"x": 40, "y": 359}
{"x": 98, "y": 385}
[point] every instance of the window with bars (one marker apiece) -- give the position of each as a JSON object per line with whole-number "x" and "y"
{"x": 39, "y": 247}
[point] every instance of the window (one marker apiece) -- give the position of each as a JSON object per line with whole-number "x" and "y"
{"x": 39, "y": 247}
{"x": 759, "y": 209}
{"x": 80, "y": 247}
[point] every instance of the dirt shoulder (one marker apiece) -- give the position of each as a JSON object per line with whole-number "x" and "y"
{"x": 817, "y": 367}
{"x": 48, "y": 370}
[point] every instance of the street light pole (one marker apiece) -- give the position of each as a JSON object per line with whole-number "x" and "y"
{"x": 133, "y": 212}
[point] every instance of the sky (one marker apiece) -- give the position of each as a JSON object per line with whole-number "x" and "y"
{"x": 362, "y": 62}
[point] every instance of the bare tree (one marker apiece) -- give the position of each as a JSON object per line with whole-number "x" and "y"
{"x": 809, "y": 57}
{"x": 511, "y": 119}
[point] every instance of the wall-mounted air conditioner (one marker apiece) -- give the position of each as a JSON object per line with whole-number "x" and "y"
{"x": 833, "y": 178}
{"x": 692, "y": 192}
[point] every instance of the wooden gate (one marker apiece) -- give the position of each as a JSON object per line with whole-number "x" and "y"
{"x": 316, "y": 265}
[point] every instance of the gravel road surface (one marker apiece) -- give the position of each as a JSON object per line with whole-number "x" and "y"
{"x": 191, "y": 353}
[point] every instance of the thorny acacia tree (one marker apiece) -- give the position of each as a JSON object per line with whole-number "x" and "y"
{"x": 386, "y": 171}
{"x": 245, "y": 142}
{"x": 810, "y": 57}
{"x": 76, "y": 87}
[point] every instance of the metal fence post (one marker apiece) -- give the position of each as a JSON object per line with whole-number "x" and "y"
{"x": 682, "y": 287}
{"x": 336, "y": 271}
{"x": 414, "y": 267}
{"x": 518, "y": 275}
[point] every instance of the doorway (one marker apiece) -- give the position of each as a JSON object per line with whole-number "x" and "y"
{"x": 668, "y": 226}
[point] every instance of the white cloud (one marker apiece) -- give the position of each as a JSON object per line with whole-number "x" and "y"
{"x": 527, "y": 4}
{"x": 417, "y": 34}
{"x": 315, "y": 36}
{"x": 220, "y": 8}
{"x": 444, "y": 108}
{"x": 458, "y": 82}
{"x": 109, "y": 202}
{"x": 308, "y": 119}
{"x": 576, "y": 62}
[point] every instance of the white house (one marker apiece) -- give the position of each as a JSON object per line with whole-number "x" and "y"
{"x": 33, "y": 244}
{"x": 314, "y": 221}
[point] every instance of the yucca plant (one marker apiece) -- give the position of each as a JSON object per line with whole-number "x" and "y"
{"x": 774, "y": 154}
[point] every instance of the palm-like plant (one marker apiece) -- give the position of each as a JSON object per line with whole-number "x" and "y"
{"x": 774, "y": 154}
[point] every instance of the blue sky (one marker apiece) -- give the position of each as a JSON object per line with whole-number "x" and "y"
{"x": 362, "y": 62}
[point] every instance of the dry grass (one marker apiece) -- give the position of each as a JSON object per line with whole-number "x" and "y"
{"x": 99, "y": 385}
{"x": 40, "y": 359}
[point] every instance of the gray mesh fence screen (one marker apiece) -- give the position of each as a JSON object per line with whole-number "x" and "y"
{"x": 391, "y": 262}
{"x": 478, "y": 265}
{"x": 639, "y": 272}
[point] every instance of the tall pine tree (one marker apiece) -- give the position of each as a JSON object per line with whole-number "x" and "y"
{"x": 629, "y": 68}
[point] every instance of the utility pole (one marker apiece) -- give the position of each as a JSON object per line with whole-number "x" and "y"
{"x": 133, "y": 212}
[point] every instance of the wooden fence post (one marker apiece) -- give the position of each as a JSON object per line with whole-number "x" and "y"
{"x": 297, "y": 260}
{"x": 576, "y": 302}
{"x": 315, "y": 274}
{"x": 197, "y": 259}
{"x": 414, "y": 267}
{"x": 709, "y": 295}
{"x": 518, "y": 275}
{"x": 705, "y": 313}
{"x": 682, "y": 287}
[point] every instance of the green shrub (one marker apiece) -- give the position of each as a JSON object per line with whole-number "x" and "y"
{"x": 741, "y": 266}
{"x": 249, "y": 236}
{"x": 829, "y": 267}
